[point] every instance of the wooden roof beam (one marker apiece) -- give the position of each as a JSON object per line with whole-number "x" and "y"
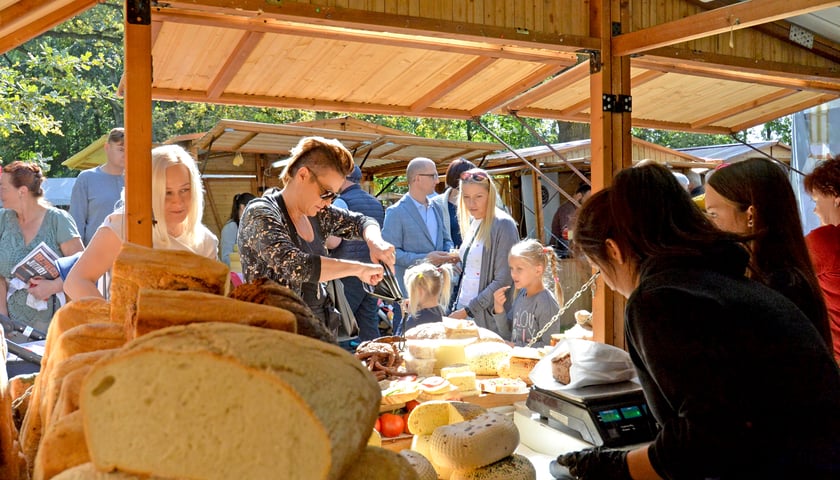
{"x": 713, "y": 22}
{"x": 234, "y": 62}
{"x": 512, "y": 91}
{"x": 488, "y": 46}
{"x": 725, "y": 67}
{"x": 735, "y": 110}
{"x": 562, "y": 80}
{"x": 780, "y": 30}
{"x": 29, "y": 18}
{"x": 451, "y": 83}
{"x": 245, "y": 140}
{"x": 790, "y": 110}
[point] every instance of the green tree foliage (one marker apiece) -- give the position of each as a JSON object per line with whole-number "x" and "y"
{"x": 673, "y": 139}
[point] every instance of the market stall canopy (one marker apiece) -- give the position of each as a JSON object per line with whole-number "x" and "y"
{"x": 91, "y": 156}
{"x": 384, "y": 151}
{"x": 697, "y": 65}
{"x": 736, "y": 152}
{"x": 579, "y": 154}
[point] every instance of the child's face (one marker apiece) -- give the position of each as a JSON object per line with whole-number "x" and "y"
{"x": 524, "y": 273}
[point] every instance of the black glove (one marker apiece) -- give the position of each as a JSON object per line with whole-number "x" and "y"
{"x": 597, "y": 464}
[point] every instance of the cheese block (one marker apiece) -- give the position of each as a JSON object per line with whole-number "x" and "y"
{"x": 474, "y": 443}
{"x": 422, "y": 465}
{"x": 454, "y": 328}
{"x": 455, "y": 368}
{"x": 465, "y": 381}
{"x": 484, "y": 357}
{"x": 514, "y": 467}
{"x": 62, "y": 447}
{"x": 450, "y": 352}
{"x": 139, "y": 267}
{"x": 164, "y": 308}
{"x": 193, "y": 401}
{"x": 422, "y": 445}
{"x": 87, "y": 471}
{"x": 428, "y": 416}
{"x": 376, "y": 463}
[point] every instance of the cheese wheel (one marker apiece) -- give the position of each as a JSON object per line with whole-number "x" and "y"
{"x": 475, "y": 443}
{"x": 514, "y": 467}
{"x": 422, "y": 445}
{"x": 422, "y": 465}
{"x": 484, "y": 357}
{"x": 428, "y": 416}
{"x": 376, "y": 463}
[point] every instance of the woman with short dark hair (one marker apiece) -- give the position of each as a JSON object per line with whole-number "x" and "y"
{"x": 231, "y": 228}
{"x": 282, "y": 234}
{"x": 740, "y": 381}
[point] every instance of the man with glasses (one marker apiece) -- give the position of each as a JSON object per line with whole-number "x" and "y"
{"x": 414, "y": 225}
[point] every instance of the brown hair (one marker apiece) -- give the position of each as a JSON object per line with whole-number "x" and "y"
{"x": 24, "y": 174}
{"x": 318, "y": 153}
{"x": 454, "y": 171}
{"x": 116, "y": 135}
{"x": 825, "y": 178}
{"x": 536, "y": 254}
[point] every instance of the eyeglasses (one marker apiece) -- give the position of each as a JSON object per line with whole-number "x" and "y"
{"x": 326, "y": 193}
{"x": 474, "y": 176}
{"x": 435, "y": 175}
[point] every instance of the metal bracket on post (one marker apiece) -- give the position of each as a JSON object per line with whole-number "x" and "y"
{"x": 617, "y": 103}
{"x": 595, "y": 63}
{"x": 138, "y": 12}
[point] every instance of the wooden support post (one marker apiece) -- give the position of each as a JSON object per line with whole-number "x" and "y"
{"x": 611, "y": 144}
{"x": 538, "y": 208}
{"x": 138, "y": 122}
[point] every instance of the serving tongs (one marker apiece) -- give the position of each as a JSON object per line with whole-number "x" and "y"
{"x": 388, "y": 289}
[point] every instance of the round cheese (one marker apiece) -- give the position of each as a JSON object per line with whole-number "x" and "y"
{"x": 514, "y": 467}
{"x": 475, "y": 443}
{"x": 380, "y": 464}
{"x": 428, "y": 416}
{"x": 422, "y": 465}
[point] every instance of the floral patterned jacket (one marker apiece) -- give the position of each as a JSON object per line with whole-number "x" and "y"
{"x": 268, "y": 247}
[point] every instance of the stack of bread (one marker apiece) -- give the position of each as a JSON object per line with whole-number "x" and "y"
{"x": 167, "y": 383}
{"x": 464, "y": 441}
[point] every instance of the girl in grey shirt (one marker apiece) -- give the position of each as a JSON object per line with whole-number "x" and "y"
{"x": 533, "y": 306}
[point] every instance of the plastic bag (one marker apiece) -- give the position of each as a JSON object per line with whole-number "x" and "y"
{"x": 593, "y": 363}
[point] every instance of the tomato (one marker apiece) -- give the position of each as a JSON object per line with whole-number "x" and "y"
{"x": 409, "y": 406}
{"x": 392, "y": 425}
{"x": 405, "y": 420}
{"x": 377, "y": 426}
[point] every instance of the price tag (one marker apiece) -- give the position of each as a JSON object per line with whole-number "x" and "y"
{"x": 27, "y": 331}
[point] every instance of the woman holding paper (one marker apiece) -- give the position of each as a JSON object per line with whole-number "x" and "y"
{"x": 27, "y": 220}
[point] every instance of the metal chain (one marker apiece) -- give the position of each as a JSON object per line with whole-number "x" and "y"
{"x": 560, "y": 312}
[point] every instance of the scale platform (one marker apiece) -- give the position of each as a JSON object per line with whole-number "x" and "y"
{"x": 613, "y": 415}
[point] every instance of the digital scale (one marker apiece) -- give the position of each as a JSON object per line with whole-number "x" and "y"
{"x": 612, "y": 415}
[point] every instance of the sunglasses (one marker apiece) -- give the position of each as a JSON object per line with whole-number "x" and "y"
{"x": 326, "y": 193}
{"x": 474, "y": 176}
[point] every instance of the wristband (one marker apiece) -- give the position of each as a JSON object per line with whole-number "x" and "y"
{"x": 468, "y": 311}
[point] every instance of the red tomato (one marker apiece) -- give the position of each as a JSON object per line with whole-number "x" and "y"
{"x": 409, "y": 406}
{"x": 377, "y": 426}
{"x": 405, "y": 420}
{"x": 392, "y": 425}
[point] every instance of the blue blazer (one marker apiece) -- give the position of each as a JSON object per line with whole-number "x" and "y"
{"x": 406, "y": 230}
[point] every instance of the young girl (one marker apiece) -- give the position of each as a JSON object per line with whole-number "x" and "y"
{"x": 533, "y": 306}
{"x": 428, "y": 289}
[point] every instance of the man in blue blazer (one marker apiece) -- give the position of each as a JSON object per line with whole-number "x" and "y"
{"x": 414, "y": 225}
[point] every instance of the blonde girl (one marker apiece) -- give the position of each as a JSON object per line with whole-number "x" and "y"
{"x": 428, "y": 289}
{"x": 532, "y": 266}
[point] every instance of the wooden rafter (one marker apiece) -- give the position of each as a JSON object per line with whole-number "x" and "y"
{"x": 564, "y": 79}
{"x": 713, "y": 22}
{"x": 234, "y": 62}
{"x": 514, "y": 89}
{"x": 736, "y": 109}
{"x": 790, "y": 110}
{"x": 451, "y": 83}
{"x": 330, "y": 16}
{"x": 35, "y": 17}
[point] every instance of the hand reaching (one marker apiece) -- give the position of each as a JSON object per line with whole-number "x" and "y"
{"x": 499, "y": 298}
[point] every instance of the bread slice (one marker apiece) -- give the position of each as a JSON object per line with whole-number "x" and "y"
{"x": 377, "y": 463}
{"x": 139, "y": 267}
{"x": 87, "y": 471}
{"x": 221, "y": 401}
{"x": 158, "y": 309}
{"x": 61, "y": 371}
{"x": 62, "y": 447}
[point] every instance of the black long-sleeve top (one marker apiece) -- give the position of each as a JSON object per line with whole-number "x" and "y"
{"x": 739, "y": 379}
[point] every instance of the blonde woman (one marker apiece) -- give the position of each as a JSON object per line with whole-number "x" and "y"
{"x": 489, "y": 233}
{"x": 177, "y": 207}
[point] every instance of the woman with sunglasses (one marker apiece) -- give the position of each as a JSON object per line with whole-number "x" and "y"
{"x": 489, "y": 233}
{"x": 282, "y": 234}
{"x": 740, "y": 381}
